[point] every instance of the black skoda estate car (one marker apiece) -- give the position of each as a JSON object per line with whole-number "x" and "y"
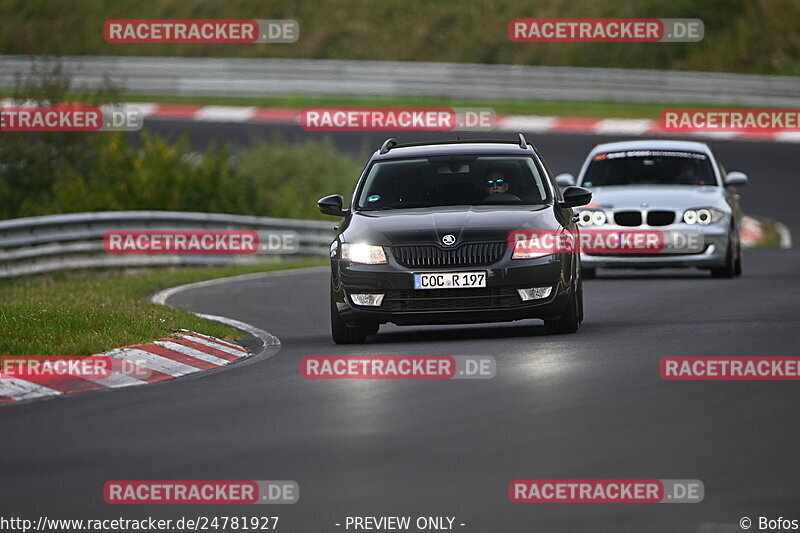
{"x": 425, "y": 240}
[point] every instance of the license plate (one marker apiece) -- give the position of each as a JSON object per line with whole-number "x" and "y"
{"x": 450, "y": 280}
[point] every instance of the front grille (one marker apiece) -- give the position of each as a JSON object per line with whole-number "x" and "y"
{"x": 660, "y": 218}
{"x": 628, "y": 218}
{"x": 470, "y": 254}
{"x": 449, "y": 299}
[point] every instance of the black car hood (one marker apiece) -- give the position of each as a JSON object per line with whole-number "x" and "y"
{"x": 430, "y": 225}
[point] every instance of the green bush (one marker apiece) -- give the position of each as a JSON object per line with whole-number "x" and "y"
{"x": 102, "y": 172}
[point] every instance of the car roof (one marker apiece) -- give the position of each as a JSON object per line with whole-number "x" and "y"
{"x": 454, "y": 148}
{"x": 652, "y": 144}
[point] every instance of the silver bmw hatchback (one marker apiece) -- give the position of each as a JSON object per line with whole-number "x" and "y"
{"x": 675, "y": 188}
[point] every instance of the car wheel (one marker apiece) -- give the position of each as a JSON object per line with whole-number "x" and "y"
{"x": 589, "y": 273}
{"x": 340, "y": 331}
{"x": 569, "y": 321}
{"x": 580, "y": 301}
{"x": 737, "y": 267}
{"x": 729, "y": 270}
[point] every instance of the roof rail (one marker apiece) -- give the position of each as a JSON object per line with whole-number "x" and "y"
{"x": 387, "y": 145}
{"x": 392, "y": 143}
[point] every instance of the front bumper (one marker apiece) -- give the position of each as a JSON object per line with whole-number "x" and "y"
{"x": 712, "y": 255}
{"x": 498, "y": 302}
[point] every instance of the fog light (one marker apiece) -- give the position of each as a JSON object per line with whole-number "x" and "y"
{"x": 535, "y": 293}
{"x": 367, "y": 299}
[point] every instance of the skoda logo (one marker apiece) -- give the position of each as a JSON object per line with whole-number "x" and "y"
{"x": 449, "y": 240}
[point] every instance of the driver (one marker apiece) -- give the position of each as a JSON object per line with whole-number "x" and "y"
{"x": 497, "y": 187}
{"x": 686, "y": 175}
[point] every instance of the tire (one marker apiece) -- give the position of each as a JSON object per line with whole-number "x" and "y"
{"x": 569, "y": 321}
{"x": 729, "y": 270}
{"x": 340, "y": 331}
{"x": 737, "y": 265}
{"x": 581, "y": 275}
{"x": 589, "y": 273}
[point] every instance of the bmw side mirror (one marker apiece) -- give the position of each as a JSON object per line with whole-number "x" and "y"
{"x": 575, "y": 196}
{"x": 332, "y": 205}
{"x": 736, "y": 178}
{"x": 565, "y": 180}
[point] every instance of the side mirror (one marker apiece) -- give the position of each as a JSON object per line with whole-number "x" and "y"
{"x": 565, "y": 180}
{"x": 736, "y": 178}
{"x": 575, "y": 196}
{"x": 332, "y": 205}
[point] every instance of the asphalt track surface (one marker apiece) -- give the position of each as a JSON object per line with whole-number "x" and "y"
{"x": 589, "y": 405}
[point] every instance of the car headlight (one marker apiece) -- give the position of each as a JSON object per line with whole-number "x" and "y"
{"x": 529, "y": 249}
{"x": 589, "y": 217}
{"x": 543, "y": 245}
{"x": 366, "y": 254}
{"x": 702, "y": 216}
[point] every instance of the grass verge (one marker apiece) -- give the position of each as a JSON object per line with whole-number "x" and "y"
{"x": 88, "y": 312}
{"x": 759, "y": 36}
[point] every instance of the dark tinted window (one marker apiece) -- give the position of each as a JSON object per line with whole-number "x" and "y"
{"x": 439, "y": 181}
{"x": 643, "y": 167}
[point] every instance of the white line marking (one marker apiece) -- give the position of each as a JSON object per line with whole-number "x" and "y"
{"x": 20, "y": 389}
{"x": 623, "y": 126}
{"x": 267, "y": 338}
{"x": 215, "y": 345}
{"x": 223, "y": 113}
{"x": 788, "y": 136}
{"x": 191, "y": 352}
{"x": 142, "y": 107}
{"x": 117, "y": 380}
{"x": 241, "y": 349}
{"x": 785, "y": 234}
{"x": 154, "y": 362}
{"x": 525, "y": 123}
{"x": 161, "y": 297}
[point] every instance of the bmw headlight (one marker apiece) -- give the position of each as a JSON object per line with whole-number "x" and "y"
{"x": 588, "y": 217}
{"x": 366, "y": 254}
{"x": 703, "y": 216}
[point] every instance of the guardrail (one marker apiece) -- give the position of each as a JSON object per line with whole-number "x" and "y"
{"x": 38, "y": 245}
{"x": 191, "y": 76}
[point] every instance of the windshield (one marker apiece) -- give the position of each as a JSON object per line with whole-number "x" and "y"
{"x": 649, "y": 167}
{"x": 442, "y": 181}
